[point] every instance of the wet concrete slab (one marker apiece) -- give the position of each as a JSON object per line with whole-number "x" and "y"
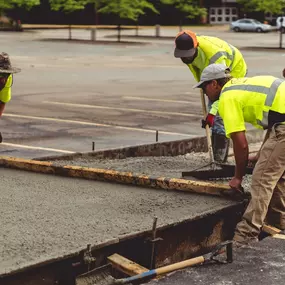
{"x": 262, "y": 263}
{"x": 45, "y": 216}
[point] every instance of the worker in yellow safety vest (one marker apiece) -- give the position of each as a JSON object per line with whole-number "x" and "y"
{"x": 197, "y": 52}
{"x": 6, "y": 81}
{"x": 260, "y": 101}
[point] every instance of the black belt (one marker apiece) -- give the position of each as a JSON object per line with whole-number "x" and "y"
{"x": 274, "y": 118}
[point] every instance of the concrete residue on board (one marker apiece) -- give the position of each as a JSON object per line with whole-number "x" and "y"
{"x": 45, "y": 216}
{"x": 155, "y": 166}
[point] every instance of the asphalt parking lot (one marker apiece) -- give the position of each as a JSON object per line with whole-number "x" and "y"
{"x": 70, "y": 94}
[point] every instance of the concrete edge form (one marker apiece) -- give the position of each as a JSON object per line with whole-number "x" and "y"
{"x": 218, "y": 226}
{"x": 170, "y": 148}
{"x": 200, "y": 187}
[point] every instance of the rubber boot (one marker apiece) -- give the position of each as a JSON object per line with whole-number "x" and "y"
{"x": 220, "y": 145}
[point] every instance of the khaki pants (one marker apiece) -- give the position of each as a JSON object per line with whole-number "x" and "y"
{"x": 267, "y": 190}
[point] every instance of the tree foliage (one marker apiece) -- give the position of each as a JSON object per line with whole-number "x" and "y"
{"x": 191, "y": 8}
{"x": 10, "y": 4}
{"x": 267, "y": 6}
{"x": 127, "y": 9}
{"x": 67, "y": 6}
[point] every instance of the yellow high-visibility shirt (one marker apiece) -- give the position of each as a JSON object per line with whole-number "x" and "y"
{"x": 5, "y": 93}
{"x": 214, "y": 50}
{"x": 249, "y": 100}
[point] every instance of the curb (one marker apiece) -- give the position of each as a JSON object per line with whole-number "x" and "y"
{"x": 170, "y": 148}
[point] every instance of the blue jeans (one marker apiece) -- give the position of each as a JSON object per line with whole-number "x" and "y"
{"x": 218, "y": 127}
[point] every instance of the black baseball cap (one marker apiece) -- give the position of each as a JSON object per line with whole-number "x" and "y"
{"x": 186, "y": 44}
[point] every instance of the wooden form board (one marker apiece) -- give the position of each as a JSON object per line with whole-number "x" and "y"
{"x": 200, "y": 187}
{"x": 125, "y": 265}
{"x": 273, "y": 231}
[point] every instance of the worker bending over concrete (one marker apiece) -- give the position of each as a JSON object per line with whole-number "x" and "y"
{"x": 197, "y": 52}
{"x": 6, "y": 81}
{"x": 257, "y": 100}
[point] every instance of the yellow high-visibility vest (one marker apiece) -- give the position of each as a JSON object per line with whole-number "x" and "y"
{"x": 250, "y": 100}
{"x": 5, "y": 93}
{"x": 219, "y": 51}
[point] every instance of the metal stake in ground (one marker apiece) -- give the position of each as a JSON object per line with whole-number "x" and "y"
{"x": 153, "y": 240}
{"x": 152, "y": 261}
{"x": 93, "y": 146}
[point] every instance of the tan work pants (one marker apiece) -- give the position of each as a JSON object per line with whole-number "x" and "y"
{"x": 267, "y": 189}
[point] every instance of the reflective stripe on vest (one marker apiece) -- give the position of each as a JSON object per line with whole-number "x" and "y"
{"x": 270, "y": 93}
{"x": 231, "y": 57}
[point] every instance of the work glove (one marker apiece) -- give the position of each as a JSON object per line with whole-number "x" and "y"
{"x": 208, "y": 121}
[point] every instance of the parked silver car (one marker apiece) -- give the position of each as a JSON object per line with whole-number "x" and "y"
{"x": 250, "y": 25}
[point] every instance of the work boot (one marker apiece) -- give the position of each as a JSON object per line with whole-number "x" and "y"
{"x": 220, "y": 145}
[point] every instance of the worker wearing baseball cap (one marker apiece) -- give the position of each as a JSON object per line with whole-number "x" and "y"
{"x": 197, "y": 52}
{"x": 6, "y": 81}
{"x": 257, "y": 100}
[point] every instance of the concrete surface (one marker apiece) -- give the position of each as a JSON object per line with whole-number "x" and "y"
{"x": 259, "y": 264}
{"x": 151, "y": 166}
{"x": 44, "y": 216}
{"x": 70, "y": 94}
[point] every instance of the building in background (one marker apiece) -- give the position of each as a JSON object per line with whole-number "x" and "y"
{"x": 222, "y": 12}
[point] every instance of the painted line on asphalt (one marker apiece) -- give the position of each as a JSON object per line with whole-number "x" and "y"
{"x": 93, "y": 124}
{"x": 192, "y": 93}
{"x": 120, "y": 109}
{"x": 157, "y": 100}
{"x": 36, "y": 147}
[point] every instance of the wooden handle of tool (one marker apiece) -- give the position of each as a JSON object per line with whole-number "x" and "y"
{"x": 180, "y": 265}
{"x": 208, "y": 134}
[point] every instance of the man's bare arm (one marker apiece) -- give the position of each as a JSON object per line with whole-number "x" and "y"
{"x": 241, "y": 153}
{"x": 2, "y": 107}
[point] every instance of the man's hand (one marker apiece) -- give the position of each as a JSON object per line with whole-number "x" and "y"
{"x": 209, "y": 121}
{"x": 235, "y": 183}
{"x": 252, "y": 160}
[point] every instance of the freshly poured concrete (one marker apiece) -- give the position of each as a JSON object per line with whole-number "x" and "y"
{"x": 166, "y": 166}
{"x": 44, "y": 216}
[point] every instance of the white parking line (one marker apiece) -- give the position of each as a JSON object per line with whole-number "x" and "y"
{"x": 36, "y": 147}
{"x": 92, "y": 124}
{"x": 192, "y": 93}
{"x": 157, "y": 100}
{"x": 120, "y": 109}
